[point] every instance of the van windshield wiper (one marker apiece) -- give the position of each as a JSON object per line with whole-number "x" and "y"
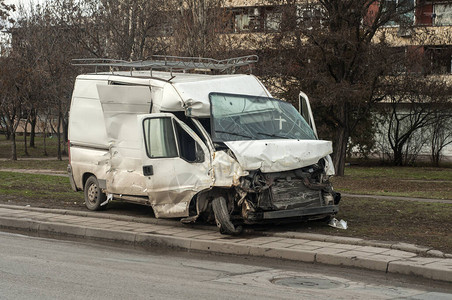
{"x": 272, "y": 135}
{"x": 235, "y": 133}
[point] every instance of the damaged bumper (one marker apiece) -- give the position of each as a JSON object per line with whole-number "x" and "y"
{"x": 301, "y": 194}
{"x": 71, "y": 178}
{"x": 303, "y": 213}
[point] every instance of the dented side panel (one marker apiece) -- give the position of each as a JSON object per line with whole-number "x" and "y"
{"x": 88, "y": 160}
{"x": 226, "y": 170}
{"x": 173, "y": 184}
{"x": 120, "y": 105}
{"x": 174, "y": 181}
{"x": 172, "y": 210}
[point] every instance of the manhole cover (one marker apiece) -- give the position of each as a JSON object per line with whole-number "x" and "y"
{"x": 309, "y": 282}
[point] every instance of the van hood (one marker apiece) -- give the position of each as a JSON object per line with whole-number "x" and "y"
{"x": 278, "y": 155}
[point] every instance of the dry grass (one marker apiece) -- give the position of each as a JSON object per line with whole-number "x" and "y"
{"x": 422, "y": 182}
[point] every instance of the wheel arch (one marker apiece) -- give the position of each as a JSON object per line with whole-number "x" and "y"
{"x": 85, "y": 178}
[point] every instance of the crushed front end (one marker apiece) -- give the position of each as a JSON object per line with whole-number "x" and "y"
{"x": 304, "y": 193}
{"x": 288, "y": 168}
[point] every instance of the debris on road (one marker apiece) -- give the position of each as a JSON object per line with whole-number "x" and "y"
{"x": 338, "y": 224}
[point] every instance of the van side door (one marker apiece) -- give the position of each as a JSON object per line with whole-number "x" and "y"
{"x": 306, "y": 113}
{"x": 176, "y": 164}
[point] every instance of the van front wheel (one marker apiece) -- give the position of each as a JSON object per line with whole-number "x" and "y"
{"x": 93, "y": 195}
{"x": 222, "y": 218}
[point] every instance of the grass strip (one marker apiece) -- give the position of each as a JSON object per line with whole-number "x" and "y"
{"x": 37, "y": 190}
{"x": 41, "y": 164}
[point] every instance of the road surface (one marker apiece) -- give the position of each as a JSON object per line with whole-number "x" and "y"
{"x": 39, "y": 268}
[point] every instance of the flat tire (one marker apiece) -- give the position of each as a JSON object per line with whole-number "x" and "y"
{"x": 222, "y": 217}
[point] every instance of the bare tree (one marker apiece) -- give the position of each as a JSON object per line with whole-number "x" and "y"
{"x": 5, "y": 20}
{"x": 48, "y": 35}
{"x": 11, "y": 99}
{"x": 413, "y": 104}
{"x": 336, "y": 51}
{"x": 440, "y": 135}
{"x": 42, "y": 56}
{"x": 128, "y": 30}
{"x": 198, "y": 26}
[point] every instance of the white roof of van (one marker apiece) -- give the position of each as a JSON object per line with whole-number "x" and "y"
{"x": 177, "y": 91}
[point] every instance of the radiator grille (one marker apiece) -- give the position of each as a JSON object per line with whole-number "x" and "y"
{"x": 287, "y": 194}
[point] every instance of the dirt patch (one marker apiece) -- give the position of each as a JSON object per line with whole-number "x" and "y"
{"x": 436, "y": 189}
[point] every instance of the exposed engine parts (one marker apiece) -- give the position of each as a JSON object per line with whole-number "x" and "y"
{"x": 304, "y": 188}
{"x": 304, "y": 193}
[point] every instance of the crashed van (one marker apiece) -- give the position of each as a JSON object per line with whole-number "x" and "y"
{"x": 191, "y": 146}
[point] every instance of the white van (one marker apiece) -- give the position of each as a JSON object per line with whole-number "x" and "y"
{"x": 191, "y": 146}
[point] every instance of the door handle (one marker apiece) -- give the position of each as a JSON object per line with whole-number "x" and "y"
{"x": 148, "y": 170}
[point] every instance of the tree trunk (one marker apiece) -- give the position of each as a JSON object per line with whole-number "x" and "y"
{"x": 340, "y": 151}
{"x": 341, "y": 140}
{"x": 33, "y": 120}
{"x": 59, "y": 131}
{"x": 65, "y": 134}
{"x": 25, "y": 138}
{"x": 13, "y": 146}
{"x": 45, "y": 137}
{"x": 436, "y": 158}
{"x": 398, "y": 156}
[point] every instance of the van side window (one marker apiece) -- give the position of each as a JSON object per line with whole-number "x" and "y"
{"x": 189, "y": 149}
{"x": 159, "y": 137}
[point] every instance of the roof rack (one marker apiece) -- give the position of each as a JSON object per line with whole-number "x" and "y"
{"x": 170, "y": 63}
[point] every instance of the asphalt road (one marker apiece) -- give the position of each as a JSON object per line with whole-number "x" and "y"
{"x": 39, "y": 268}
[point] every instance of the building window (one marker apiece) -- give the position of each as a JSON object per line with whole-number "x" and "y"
{"x": 255, "y": 19}
{"x": 402, "y": 11}
{"x": 309, "y": 16}
{"x": 273, "y": 19}
{"x": 440, "y": 59}
{"x": 443, "y": 14}
{"x": 247, "y": 20}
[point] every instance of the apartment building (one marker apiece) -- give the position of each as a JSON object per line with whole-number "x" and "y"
{"x": 423, "y": 29}
{"x": 437, "y": 14}
{"x": 426, "y": 25}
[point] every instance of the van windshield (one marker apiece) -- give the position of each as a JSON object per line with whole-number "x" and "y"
{"x": 241, "y": 117}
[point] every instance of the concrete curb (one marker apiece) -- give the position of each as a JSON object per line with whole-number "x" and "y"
{"x": 422, "y": 250}
{"x": 278, "y": 246}
{"x": 425, "y": 251}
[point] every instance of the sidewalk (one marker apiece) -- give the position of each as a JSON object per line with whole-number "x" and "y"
{"x": 311, "y": 248}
